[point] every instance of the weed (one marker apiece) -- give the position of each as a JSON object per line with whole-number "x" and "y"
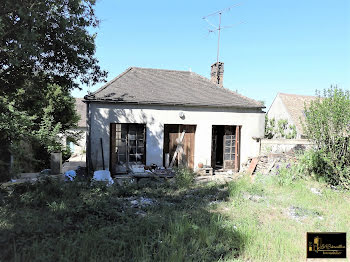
{"x": 184, "y": 177}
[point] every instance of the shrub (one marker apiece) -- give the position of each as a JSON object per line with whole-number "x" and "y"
{"x": 184, "y": 177}
{"x": 327, "y": 124}
{"x": 281, "y": 130}
{"x": 287, "y": 173}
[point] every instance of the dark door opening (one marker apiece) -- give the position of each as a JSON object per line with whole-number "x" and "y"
{"x": 225, "y": 147}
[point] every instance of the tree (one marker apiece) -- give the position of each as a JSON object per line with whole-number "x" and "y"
{"x": 47, "y": 42}
{"x": 46, "y": 50}
{"x": 327, "y": 124}
{"x": 281, "y": 130}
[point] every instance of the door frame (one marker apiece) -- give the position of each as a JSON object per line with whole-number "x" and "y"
{"x": 112, "y": 156}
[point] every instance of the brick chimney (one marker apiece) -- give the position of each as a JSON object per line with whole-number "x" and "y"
{"x": 217, "y": 73}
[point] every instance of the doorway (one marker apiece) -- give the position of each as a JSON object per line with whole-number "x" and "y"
{"x": 128, "y": 146}
{"x": 172, "y": 144}
{"x": 225, "y": 150}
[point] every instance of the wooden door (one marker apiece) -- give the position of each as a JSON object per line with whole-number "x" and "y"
{"x": 188, "y": 145}
{"x": 171, "y": 136}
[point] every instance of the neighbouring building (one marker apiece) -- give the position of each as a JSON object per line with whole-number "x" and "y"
{"x": 145, "y": 116}
{"x": 79, "y": 148}
{"x": 291, "y": 108}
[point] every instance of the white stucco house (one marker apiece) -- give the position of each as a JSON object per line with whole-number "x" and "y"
{"x": 143, "y": 115}
{"x": 291, "y": 108}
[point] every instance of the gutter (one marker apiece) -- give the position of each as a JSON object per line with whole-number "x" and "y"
{"x": 168, "y": 104}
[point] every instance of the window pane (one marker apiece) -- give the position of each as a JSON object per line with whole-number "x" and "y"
{"x": 132, "y": 158}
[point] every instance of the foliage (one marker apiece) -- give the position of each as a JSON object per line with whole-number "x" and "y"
{"x": 46, "y": 49}
{"x": 287, "y": 173}
{"x": 99, "y": 223}
{"x": 281, "y": 130}
{"x": 327, "y": 124}
{"x": 30, "y": 136}
{"x": 184, "y": 177}
{"x": 14, "y": 123}
{"x": 236, "y": 221}
{"x": 47, "y": 42}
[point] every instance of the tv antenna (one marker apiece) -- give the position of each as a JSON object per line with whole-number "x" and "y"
{"x": 218, "y": 28}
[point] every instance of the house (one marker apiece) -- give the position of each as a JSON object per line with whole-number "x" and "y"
{"x": 78, "y": 148}
{"x": 146, "y": 116}
{"x": 291, "y": 108}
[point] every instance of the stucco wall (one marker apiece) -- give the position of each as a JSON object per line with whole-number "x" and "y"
{"x": 80, "y": 147}
{"x": 156, "y": 116}
{"x": 278, "y": 111}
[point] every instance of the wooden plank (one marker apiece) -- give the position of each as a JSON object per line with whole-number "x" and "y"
{"x": 177, "y": 148}
{"x": 112, "y": 149}
{"x": 252, "y": 165}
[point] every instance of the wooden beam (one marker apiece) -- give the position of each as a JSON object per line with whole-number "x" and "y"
{"x": 177, "y": 148}
{"x": 112, "y": 149}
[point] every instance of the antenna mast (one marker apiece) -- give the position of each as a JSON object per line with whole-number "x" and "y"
{"x": 218, "y": 28}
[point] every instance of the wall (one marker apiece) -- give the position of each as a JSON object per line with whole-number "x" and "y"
{"x": 278, "y": 111}
{"x": 80, "y": 148}
{"x": 155, "y": 117}
{"x": 279, "y": 146}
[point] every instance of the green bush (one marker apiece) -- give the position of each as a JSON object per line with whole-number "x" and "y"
{"x": 286, "y": 174}
{"x": 327, "y": 124}
{"x": 281, "y": 130}
{"x": 184, "y": 177}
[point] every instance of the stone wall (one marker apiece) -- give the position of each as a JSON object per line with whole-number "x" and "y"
{"x": 280, "y": 146}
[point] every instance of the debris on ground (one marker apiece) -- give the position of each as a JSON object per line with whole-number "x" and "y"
{"x": 264, "y": 164}
{"x": 315, "y": 191}
{"x": 70, "y": 175}
{"x": 298, "y": 213}
{"x": 45, "y": 172}
{"x": 254, "y": 198}
{"x": 142, "y": 202}
{"x": 103, "y": 176}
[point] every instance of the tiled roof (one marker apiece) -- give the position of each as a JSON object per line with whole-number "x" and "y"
{"x": 295, "y": 107}
{"x": 169, "y": 87}
{"x": 81, "y": 110}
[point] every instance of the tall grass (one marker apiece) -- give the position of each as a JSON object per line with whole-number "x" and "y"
{"x": 239, "y": 221}
{"x": 55, "y": 221}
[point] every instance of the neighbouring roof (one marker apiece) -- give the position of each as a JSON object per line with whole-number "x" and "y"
{"x": 81, "y": 110}
{"x": 168, "y": 87}
{"x": 295, "y": 107}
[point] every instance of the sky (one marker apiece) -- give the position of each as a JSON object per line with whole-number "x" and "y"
{"x": 289, "y": 46}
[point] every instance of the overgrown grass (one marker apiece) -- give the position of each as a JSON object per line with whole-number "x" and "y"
{"x": 273, "y": 226}
{"x": 55, "y": 221}
{"x": 240, "y": 221}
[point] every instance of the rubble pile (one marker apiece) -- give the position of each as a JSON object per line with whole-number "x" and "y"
{"x": 267, "y": 162}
